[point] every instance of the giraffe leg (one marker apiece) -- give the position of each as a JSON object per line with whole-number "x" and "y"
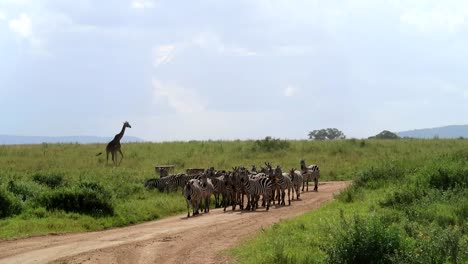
{"x": 121, "y": 157}
{"x": 113, "y": 157}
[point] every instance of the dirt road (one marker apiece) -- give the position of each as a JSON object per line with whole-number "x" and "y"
{"x": 199, "y": 239}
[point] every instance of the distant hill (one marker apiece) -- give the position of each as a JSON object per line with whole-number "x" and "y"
{"x": 18, "y": 140}
{"x": 454, "y": 131}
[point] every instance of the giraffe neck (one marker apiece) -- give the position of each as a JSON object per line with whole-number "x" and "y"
{"x": 120, "y": 135}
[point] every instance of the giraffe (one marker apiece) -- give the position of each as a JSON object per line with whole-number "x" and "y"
{"x": 114, "y": 146}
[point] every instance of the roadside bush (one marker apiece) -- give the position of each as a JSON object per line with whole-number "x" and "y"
{"x": 24, "y": 190}
{"x": 371, "y": 177}
{"x": 51, "y": 181}
{"x": 350, "y": 194}
{"x": 448, "y": 177}
{"x": 89, "y": 198}
{"x": 437, "y": 245}
{"x": 365, "y": 241}
{"x": 9, "y": 205}
{"x": 407, "y": 195}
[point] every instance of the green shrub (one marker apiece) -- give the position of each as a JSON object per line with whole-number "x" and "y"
{"x": 271, "y": 144}
{"x": 448, "y": 177}
{"x": 9, "y": 205}
{"x": 51, "y": 181}
{"x": 24, "y": 190}
{"x": 89, "y": 199}
{"x": 407, "y": 195}
{"x": 350, "y": 194}
{"x": 365, "y": 241}
{"x": 437, "y": 245}
{"x": 371, "y": 177}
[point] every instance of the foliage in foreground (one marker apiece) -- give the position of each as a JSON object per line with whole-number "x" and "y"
{"x": 58, "y": 188}
{"x": 395, "y": 212}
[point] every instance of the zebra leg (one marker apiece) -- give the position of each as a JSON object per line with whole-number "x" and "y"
{"x": 316, "y": 184}
{"x": 283, "y": 194}
{"x": 266, "y": 195}
{"x": 289, "y": 196}
{"x": 188, "y": 208}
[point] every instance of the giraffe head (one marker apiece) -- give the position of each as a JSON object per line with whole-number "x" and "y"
{"x": 126, "y": 124}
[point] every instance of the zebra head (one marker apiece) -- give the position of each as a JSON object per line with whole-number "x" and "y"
{"x": 278, "y": 172}
{"x": 303, "y": 165}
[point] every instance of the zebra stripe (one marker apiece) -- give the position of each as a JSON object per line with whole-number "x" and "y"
{"x": 160, "y": 184}
{"x": 207, "y": 190}
{"x": 255, "y": 188}
{"x": 311, "y": 172}
{"x": 193, "y": 196}
{"x": 282, "y": 182}
{"x": 297, "y": 181}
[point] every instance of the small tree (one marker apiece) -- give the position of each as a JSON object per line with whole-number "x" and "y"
{"x": 326, "y": 133}
{"x": 385, "y": 135}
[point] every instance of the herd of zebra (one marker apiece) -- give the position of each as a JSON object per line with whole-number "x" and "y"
{"x": 238, "y": 187}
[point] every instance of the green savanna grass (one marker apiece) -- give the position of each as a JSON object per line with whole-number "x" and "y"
{"x": 132, "y": 203}
{"x": 411, "y": 207}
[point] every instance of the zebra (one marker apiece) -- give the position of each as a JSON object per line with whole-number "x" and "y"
{"x": 194, "y": 171}
{"x": 311, "y": 172}
{"x": 160, "y": 184}
{"x": 255, "y": 188}
{"x": 207, "y": 190}
{"x": 219, "y": 190}
{"x": 179, "y": 180}
{"x": 193, "y": 196}
{"x": 297, "y": 180}
{"x": 238, "y": 188}
{"x": 283, "y": 182}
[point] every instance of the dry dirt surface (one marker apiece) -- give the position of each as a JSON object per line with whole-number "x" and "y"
{"x": 177, "y": 239}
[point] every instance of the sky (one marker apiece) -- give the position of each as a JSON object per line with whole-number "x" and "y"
{"x": 245, "y": 69}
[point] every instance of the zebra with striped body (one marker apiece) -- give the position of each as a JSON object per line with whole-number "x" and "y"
{"x": 229, "y": 190}
{"x": 297, "y": 181}
{"x": 311, "y": 172}
{"x": 160, "y": 184}
{"x": 207, "y": 190}
{"x": 283, "y": 183}
{"x": 193, "y": 196}
{"x": 255, "y": 188}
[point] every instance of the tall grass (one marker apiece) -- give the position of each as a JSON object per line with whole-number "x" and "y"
{"x": 54, "y": 188}
{"x": 399, "y": 210}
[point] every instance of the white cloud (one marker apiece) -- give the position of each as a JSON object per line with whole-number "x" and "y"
{"x": 427, "y": 21}
{"x": 21, "y": 26}
{"x": 212, "y": 42}
{"x": 142, "y": 4}
{"x": 290, "y": 91}
{"x": 2, "y": 16}
{"x": 180, "y": 99}
{"x": 163, "y": 54}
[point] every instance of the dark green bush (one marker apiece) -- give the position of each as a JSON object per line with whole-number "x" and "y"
{"x": 9, "y": 205}
{"x": 448, "y": 177}
{"x": 407, "y": 195}
{"x": 88, "y": 198}
{"x": 436, "y": 245}
{"x": 51, "y": 181}
{"x": 350, "y": 194}
{"x": 271, "y": 144}
{"x": 24, "y": 190}
{"x": 371, "y": 177}
{"x": 365, "y": 241}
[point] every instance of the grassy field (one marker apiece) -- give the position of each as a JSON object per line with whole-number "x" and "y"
{"x": 56, "y": 188}
{"x": 410, "y": 207}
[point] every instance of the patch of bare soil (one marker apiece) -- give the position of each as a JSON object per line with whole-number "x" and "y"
{"x": 199, "y": 239}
